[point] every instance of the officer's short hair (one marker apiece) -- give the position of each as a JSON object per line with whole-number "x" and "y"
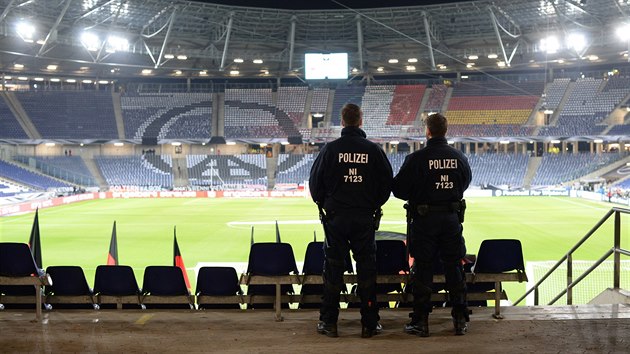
{"x": 351, "y": 115}
{"x": 437, "y": 125}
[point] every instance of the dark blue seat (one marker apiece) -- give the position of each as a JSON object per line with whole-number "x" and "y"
{"x": 391, "y": 258}
{"x": 314, "y": 265}
{"x": 116, "y": 284}
{"x": 270, "y": 258}
{"x": 165, "y": 287}
{"x": 16, "y": 261}
{"x": 70, "y": 289}
{"x": 217, "y": 281}
{"x": 497, "y": 256}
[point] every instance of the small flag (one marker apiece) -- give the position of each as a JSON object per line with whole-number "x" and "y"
{"x": 34, "y": 242}
{"x": 178, "y": 261}
{"x": 251, "y": 238}
{"x": 112, "y": 256}
{"x": 277, "y": 233}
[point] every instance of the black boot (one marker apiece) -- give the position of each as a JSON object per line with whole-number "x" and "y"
{"x": 419, "y": 324}
{"x": 327, "y": 329}
{"x": 460, "y": 319}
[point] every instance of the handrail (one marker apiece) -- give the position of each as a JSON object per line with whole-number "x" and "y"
{"x": 616, "y": 250}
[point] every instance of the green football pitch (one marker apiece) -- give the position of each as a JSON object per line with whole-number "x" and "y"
{"x": 219, "y": 230}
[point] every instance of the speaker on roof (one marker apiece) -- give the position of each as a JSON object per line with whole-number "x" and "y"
{"x": 217, "y": 140}
{"x": 149, "y": 140}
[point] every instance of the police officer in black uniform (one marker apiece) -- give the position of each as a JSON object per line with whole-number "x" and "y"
{"x": 433, "y": 181}
{"x": 350, "y": 180}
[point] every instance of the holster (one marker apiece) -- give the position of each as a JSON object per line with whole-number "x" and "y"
{"x": 378, "y": 214}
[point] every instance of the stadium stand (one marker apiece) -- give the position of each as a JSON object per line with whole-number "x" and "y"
{"x": 227, "y": 172}
{"x": 294, "y": 168}
{"x": 250, "y": 113}
{"x": 579, "y": 115}
{"x": 24, "y": 176}
{"x": 343, "y": 95}
{"x": 9, "y": 126}
{"x": 167, "y": 115}
{"x": 8, "y": 189}
{"x": 436, "y": 98}
{"x": 147, "y": 171}
{"x": 292, "y": 101}
{"x": 71, "y": 114}
{"x": 559, "y": 168}
{"x": 492, "y": 108}
{"x": 498, "y": 169}
{"x": 555, "y": 92}
{"x": 319, "y": 103}
{"x": 68, "y": 168}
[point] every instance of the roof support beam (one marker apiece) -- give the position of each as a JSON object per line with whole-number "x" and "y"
{"x": 496, "y": 31}
{"x": 93, "y": 11}
{"x": 227, "y": 41}
{"x": 168, "y": 34}
{"x": 427, "y": 30}
{"x": 111, "y": 26}
{"x": 54, "y": 27}
{"x": 360, "y": 41}
{"x": 292, "y": 42}
{"x": 6, "y": 10}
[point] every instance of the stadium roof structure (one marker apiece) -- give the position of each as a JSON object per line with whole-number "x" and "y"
{"x": 109, "y": 39}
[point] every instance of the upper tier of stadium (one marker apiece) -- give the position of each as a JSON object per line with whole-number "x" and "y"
{"x": 484, "y": 110}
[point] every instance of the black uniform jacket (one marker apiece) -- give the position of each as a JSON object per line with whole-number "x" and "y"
{"x": 435, "y": 175}
{"x": 351, "y": 173}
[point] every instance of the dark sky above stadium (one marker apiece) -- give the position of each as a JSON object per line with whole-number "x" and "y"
{"x": 326, "y": 4}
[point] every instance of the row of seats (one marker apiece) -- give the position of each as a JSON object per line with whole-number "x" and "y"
{"x": 136, "y": 170}
{"x": 558, "y": 168}
{"x": 220, "y": 287}
{"x": 23, "y": 176}
{"x": 247, "y": 170}
{"x": 176, "y": 115}
{"x": 68, "y": 168}
{"x": 9, "y": 126}
{"x": 71, "y": 114}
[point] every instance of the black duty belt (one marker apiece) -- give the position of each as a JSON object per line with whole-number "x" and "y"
{"x": 438, "y": 208}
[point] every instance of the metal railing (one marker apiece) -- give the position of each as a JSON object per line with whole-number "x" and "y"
{"x": 616, "y": 251}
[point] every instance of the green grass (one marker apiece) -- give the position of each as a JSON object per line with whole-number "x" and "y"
{"x": 79, "y": 234}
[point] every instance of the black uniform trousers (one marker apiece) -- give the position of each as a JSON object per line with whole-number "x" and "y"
{"x": 350, "y": 232}
{"x": 433, "y": 234}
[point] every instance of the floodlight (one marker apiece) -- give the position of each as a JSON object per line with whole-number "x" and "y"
{"x": 492, "y": 56}
{"x": 117, "y": 44}
{"x": 146, "y": 71}
{"x": 550, "y": 44}
{"x": 257, "y": 61}
{"x": 90, "y": 41}
{"x": 380, "y": 69}
{"x": 598, "y": 141}
{"x": 25, "y": 31}
{"x": 22, "y": 78}
{"x": 412, "y": 60}
{"x": 169, "y": 56}
{"x": 18, "y": 66}
{"x": 623, "y": 32}
{"x": 473, "y": 57}
{"x": 51, "y": 67}
{"x": 238, "y": 60}
{"x": 86, "y": 81}
{"x": 410, "y": 68}
{"x": 119, "y": 144}
{"x": 234, "y": 72}
{"x": 55, "y": 79}
{"x": 71, "y": 81}
{"x": 182, "y": 57}
{"x": 576, "y": 41}
{"x": 392, "y": 61}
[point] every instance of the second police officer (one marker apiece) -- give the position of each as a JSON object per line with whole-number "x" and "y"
{"x": 433, "y": 181}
